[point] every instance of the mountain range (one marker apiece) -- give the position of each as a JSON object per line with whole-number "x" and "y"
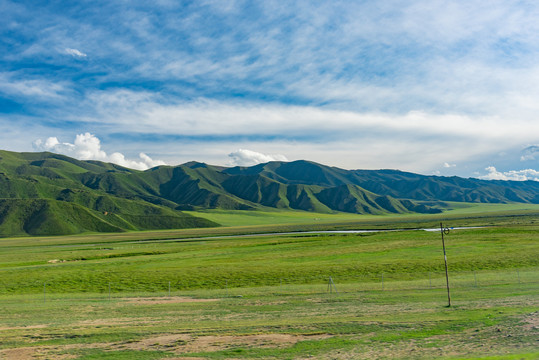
{"x": 51, "y": 194}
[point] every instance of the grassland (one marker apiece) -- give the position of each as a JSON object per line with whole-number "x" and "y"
{"x": 194, "y": 294}
{"x": 464, "y": 213}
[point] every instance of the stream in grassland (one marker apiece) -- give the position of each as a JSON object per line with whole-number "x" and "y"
{"x": 313, "y": 232}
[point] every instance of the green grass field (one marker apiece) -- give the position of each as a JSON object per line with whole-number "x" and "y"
{"x": 193, "y": 294}
{"x": 275, "y": 217}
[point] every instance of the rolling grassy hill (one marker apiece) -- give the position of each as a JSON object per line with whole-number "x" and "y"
{"x": 47, "y": 194}
{"x": 50, "y": 194}
{"x": 398, "y": 184}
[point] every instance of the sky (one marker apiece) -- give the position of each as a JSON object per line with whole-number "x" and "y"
{"x": 433, "y": 87}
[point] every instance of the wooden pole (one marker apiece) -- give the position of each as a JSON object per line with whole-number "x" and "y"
{"x": 442, "y": 230}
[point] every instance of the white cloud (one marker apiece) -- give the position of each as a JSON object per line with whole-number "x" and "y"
{"x": 88, "y": 147}
{"x": 516, "y": 175}
{"x": 448, "y": 165}
{"x": 392, "y": 140}
{"x": 529, "y": 153}
{"x": 11, "y": 84}
{"x": 75, "y": 52}
{"x": 51, "y": 142}
{"x": 342, "y": 138}
{"x": 143, "y": 112}
{"x": 244, "y": 157}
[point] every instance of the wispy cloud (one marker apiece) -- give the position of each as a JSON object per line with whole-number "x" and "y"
{"x": 15, "y": 85}
{"x": 145, "y": 112}
{"x": 415, "y": 141}
{"x": 529, "y": 153}
{"x": 75, "y": 52}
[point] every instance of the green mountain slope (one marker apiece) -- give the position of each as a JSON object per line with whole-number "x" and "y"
{"x": 50, "y": 194}
{"x": 296, "y": 172}
{"x": 45, "y": 217}
{"x": 45, "y": 193}
{"x": 398, "y": 184}
{"x": 302, "y": 197}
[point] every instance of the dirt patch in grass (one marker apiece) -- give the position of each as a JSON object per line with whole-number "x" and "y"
{"x": 185, "y": 343}
{"x": 30, "y": 327}
{"x": 118, "y": 322}
{"x": 56, "y": 261}
{"x": 18, "y": 354}
{"x": 47, "y": 352}
{"x": 32, "y": 353}
{"x": 268, "y": 303}
{"x": 165, "y": 300}
{"x": 531, "y": 322}
{"x": 494, "y": 340}
{"x": 174, "y": 343}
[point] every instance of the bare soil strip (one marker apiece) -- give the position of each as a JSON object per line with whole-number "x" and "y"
{"x": 185, "y": 343}
{"x": 176, "y": 343}
{"x": 165, "y": 300}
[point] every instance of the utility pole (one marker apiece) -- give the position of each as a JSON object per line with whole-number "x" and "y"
{"x": 445, "y": 231}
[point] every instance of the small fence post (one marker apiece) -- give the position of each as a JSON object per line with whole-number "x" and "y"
{"x": 169, "y": 289}
{"x": 430, "y": 282}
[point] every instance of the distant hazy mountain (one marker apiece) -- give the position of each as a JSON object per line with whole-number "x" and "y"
{"x": 45, "y": 193}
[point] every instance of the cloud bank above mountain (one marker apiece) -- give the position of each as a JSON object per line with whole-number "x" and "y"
{"x": 88, "y": 147}
{"x": 515, "y": 175}
{"x": 244, "y": 157}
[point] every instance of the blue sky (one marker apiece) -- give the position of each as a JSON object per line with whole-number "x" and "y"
{"x": 435, "y": 87}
